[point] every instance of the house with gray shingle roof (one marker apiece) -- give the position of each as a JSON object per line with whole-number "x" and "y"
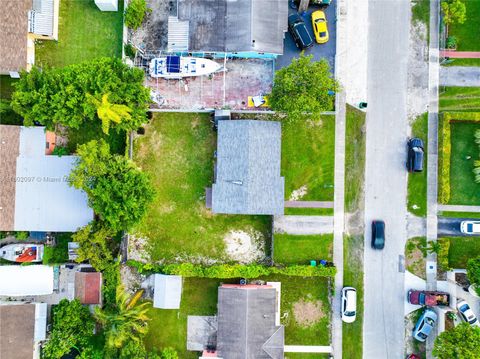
{"x": 247, "y": 174}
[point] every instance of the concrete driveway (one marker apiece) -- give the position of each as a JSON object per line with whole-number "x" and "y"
{"x": 459, "y": 76}
{"x": 319, "y": 51}
{"x": 303, "y": 225}
{"x": 386, "y": 177}
{"x": 451, "y": 227}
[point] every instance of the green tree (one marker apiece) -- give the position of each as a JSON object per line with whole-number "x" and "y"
{"x": 123, "y": 322}
{"x": 135, "y": 13}
{"x": 94, "y": 245}
{"x": 168, "y": 353}
{"x": 118, "y": 191}
{"x": 72, "y": 327}
{"x": 473, "y": 273}
{"x": 454, "y": 12}
{"x": 462, "y": 342}
{"x": 108, "y": 112}
{"x": 62, "y": 96}
{"x": 303, "y": 88}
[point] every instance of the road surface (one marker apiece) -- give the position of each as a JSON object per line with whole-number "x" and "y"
{"x": 386, "y": 177}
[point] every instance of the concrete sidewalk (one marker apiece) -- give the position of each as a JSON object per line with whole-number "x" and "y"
{"x": 303, "y": 225}
{"x": 459, "y": 76}
{"x": 308, "y": 204}
{"x": 457, "y": 208}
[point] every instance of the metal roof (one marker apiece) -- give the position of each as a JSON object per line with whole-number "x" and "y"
{"x": 246, "y": 324}
{"x": 234, "y": 25}
{"x": 177, "y": 34}
{"x": 248, "y": 177}
{"x": 167, "y": 291}
{"x": 26, "y": 280}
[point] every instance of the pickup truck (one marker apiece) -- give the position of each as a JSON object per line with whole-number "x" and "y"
{"x": 428, "y": 298}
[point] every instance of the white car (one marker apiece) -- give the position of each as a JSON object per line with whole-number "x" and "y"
{"x": 470, "y": 227}
{"x": 349, "y": 304}
{"x": 467, "y": 313}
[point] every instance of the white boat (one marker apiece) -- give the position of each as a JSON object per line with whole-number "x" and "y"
{"x": 176, "y": 67}
{"x": 22, "y": 252}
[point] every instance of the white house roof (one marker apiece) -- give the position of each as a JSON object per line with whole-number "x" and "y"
{"x": 26, "y": 280}
{"x": 167, "y": 291}
{"x": 40, "y": 331}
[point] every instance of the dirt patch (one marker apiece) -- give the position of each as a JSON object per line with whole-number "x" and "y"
{"x": 417, "y": 97}
{"x": 153, "y": 34}
{"x": 354, "y": 223}
{"x": 131, "y": 279}
{"x": 307, "y": 313}
{"x": 138, "y": 248}
{"x": 244, "y": 247}
{"x": 298, "y": 193}
{"x": 415, "y": 260}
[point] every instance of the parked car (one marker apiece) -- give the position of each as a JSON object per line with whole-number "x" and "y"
{"x": 349, "y": 304}
{"x": 320, "y": 26}
{"x": 413, "y": 356}
{"x": 298, "y": 30}
{"x": 428, "y": 298}
{"x": 424, "y": 325}
{"x": 415, "y": 155}
{"x": 470, "y": 227}
{"x": 467, "y": 313}
{"x": 378, "y": 234}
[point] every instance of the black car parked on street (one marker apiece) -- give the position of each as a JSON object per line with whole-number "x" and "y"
{"x": 298, "y": 30}
{"x": 415, "y": 155}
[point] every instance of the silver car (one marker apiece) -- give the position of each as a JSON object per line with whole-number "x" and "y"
{"x": 424, "y": 325}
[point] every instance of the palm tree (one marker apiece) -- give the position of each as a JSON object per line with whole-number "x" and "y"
{"x": 126, "y": 321}
{"x": 108, "y": 112}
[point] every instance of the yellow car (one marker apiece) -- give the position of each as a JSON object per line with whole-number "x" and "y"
{"x": 320, "y": 28}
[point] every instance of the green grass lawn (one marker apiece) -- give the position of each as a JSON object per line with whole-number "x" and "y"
{"x": 421, "y": 11}
{"x": 354, "y": 158}
{"x": 92, "y": 130}
{"x": 293, "y": 211}
{"x": 468, "y": 33}
{"x": 177, "y": 152}
{"x": 352, "y": 342}
{"x": 461, "y": 250}
{"x": 84, "y": 33}
{"x": 463, "y": 62}
{"x": 168, "y": 328}
{"x": 290, "y": 249}
{"x": 463, "y": 188}
{"x": 308, "y": 153}
{"x": 6, "y": 87}
{"x": 306, "y": 356}
{"x": 459, "y": 214}
{"x": 460, "y": 99}
{"x": 417, "y": 182}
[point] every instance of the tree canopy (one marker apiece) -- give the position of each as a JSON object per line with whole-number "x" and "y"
{"x": 454, "y": 11}
{"x": 72, "y": 327}
{"x": 93, "y": 240}
{"x": 473, "y": 272}
{"x": 462, "y": 342}
{"x": 64, "y": 95}
{"x": 118, "y": 191}
{"x": 303, "y": 88}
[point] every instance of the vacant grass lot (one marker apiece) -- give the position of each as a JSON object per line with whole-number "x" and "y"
{"x": 460, "y": 98}
{"x": 290, "y": 249}
{"x": 465, "y": 151}
{"x": 84, "y": 33}
{"x": 168, "y": 328}
{"x": 308, "y": 153}
{"x": 354, "y": 158}
{"x": 468, "y": 33}
{"x": 177, "y": 152}
{"x": 352, "y": 342}
{"x": 461, "y": 250}
{"x": 417, "y": 182}
{"x": 421, "y": 11}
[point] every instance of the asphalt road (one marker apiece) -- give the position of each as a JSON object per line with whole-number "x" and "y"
{"x": 386, "y": 177}
{"x": 319, "y": 51}
{"x": 448, "y": 227}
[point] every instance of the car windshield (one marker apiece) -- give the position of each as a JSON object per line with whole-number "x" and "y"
{"x": 349, "y": 314}
{"x": 421, "y": 335}
{"x": 421, "y": 298}
{"x": 319, "y": 20}
{"x": 429, "y": 321}
{"x": 323, "y": 34}
{"x": 473, "y": 320}
{"x": 470, "y": 227}
{"x": 464, "y": 308}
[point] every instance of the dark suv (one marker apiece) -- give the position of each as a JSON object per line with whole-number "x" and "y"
{"x": 298, "y": 30}
{"x": 415, "y": 155}
{"x": 378, "y": 234}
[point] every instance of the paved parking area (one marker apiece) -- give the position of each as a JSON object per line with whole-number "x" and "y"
{"x": 451, "y": 227}
{"x": 319, "y": 51}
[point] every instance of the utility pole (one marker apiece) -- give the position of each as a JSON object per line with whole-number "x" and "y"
{"x": 303, "y": 6}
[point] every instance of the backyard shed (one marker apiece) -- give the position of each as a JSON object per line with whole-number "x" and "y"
{"x": 247, "y": 177}
{"x": 107, "y": 5}
{"x": 167, "y": 291}
{"x": 26, "y": 280}
{"x": 88, "y": 287}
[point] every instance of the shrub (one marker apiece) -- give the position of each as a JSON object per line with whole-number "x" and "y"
{"x": 442, "y": 255}
{"x": 60, "y": 151}
{"x": 473, "y": 273}
{"x": 130, "y": 51}
{"x": 451, "y": 42}
{"x": 21, "y": 236}
{"x": 135, "y": 13}
{"x": 225, "y": 271}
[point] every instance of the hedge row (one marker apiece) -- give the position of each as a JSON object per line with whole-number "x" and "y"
{"x": 446, "y": 149}
{"x": 224, "y": 271}
{"x": 442, "y": 255}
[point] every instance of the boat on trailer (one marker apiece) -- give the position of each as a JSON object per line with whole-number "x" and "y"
{"x": 176, "y": 67}
{"x": 22, "y": 252}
